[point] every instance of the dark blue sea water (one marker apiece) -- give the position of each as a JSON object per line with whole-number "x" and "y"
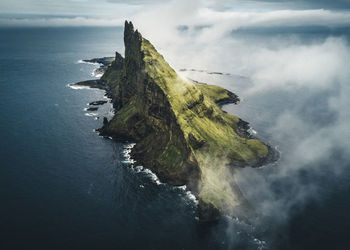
{"x": 64, "y": 187}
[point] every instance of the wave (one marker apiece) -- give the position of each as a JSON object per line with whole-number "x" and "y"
{"x": 91, "y": 63}
{"x": 191, "y": 197}
{"x": 126, "y": 153}
{"x": 188, "y": 194}
{"x": 111, "y": 112}
{"x": 73, "y": 86}
{"x": 261, "y": 244}
{"x": 252, "y": 131}
{"x": 97, "y": 73}
{"x": 154, "y": 178}
{"x": 91, "y": 114}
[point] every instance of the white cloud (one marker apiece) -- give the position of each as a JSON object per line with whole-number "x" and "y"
{"x": 310, "y": 125}
{"x": 90, "y": 8}
{"x": 193, "y": 12}
{"x": 61, "y": 22}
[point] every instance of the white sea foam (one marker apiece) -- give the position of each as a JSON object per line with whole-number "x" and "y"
{"x": 153, "y": 176}
{"x": 91, "y": 114}
{"x": 261, "y": 244}
{"x": 112, "y": 112}
{"x": 96, "y": 73}
{"x": 192, "y": 197}
{"x": 252, "y": 131}
{"x": 128, "y": 161}
{"x": 138, "y": 169}
{"x": 126, "y": 153}
{"x": 130, "y": 145}
{"x": 149, "y": 174}
{"x": 73, "y": 86}
{"x": 84, "y": 62}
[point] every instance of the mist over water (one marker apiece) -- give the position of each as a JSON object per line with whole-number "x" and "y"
{"x": 294, "y": 89}
{"x": 291, "y": 73}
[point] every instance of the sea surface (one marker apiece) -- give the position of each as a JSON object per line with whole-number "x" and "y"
{"x": 64, "y": 187}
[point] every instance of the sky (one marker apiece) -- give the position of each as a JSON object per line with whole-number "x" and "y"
{"x": 110, "y": 7}
{"x": 113, "y": 12}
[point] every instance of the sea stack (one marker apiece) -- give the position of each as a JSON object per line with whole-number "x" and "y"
{"x": 181, "y": 132}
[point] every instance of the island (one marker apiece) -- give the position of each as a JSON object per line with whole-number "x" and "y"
{"x": 181, "y": 132}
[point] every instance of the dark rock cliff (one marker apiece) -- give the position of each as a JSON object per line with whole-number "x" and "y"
{"x": 144, "y": 115}
{"x": 180, "y": 131}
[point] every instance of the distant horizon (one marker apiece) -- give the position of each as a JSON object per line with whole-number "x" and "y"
{"x": 114, "y": 12}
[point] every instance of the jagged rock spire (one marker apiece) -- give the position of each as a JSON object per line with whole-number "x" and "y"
{"x": 133, "y": 52}
{"x": 132, "y": 41}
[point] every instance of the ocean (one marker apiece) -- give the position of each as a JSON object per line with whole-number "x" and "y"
{"x": 64, "y": 187}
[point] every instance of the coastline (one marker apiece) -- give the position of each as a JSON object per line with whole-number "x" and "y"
{"x": 140, "y": 156}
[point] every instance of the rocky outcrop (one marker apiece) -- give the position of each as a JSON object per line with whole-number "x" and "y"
{"x": 96, "y": 103}
{"x": 92, "y": 109}
{"x": 180, "y": 131}
{"x": 104, "y": 61}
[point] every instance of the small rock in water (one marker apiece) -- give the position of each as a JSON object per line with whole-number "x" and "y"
{"x": 92, "y": 109}
{"x": 105, "y": 121}
{"x": 98, "y": 103}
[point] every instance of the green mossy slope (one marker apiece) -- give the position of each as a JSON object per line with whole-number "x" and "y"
{"x": 181, "y": 132}
{"x": 201, "y": 118}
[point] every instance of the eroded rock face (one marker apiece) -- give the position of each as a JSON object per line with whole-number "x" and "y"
{"x": 144, "y": 115}
{"x": 180, "y": 131}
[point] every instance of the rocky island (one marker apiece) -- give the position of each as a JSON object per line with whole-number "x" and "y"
{"x": 181, "y": 132}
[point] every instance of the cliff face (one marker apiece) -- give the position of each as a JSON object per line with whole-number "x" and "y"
{"x": 144, "y": 115}
{"x": 180, "y": 131}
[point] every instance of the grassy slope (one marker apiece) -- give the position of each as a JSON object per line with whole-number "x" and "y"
{"x": 198, "y": 114}
{"x": 214, "y": 92}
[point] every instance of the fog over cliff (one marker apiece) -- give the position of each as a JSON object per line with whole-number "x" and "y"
{"x": 290, "y": 67}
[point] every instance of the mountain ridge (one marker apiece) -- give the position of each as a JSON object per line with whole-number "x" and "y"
{"x": 180, "y": 130}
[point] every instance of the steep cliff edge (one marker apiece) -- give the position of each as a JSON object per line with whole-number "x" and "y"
{"x": 180, "y": 131}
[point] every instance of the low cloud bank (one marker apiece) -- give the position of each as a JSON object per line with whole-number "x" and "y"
{"x": 61, "y": 22}
{"x": 302, "y": 85}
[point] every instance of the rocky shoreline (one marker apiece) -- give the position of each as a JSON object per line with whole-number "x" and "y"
{"x": 181, "y": 132}
{"x": 243, "y": 128}
{"x": 207, "y": 212}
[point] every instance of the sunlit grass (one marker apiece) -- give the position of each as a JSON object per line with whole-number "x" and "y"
{"x": 197, "y": 113}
